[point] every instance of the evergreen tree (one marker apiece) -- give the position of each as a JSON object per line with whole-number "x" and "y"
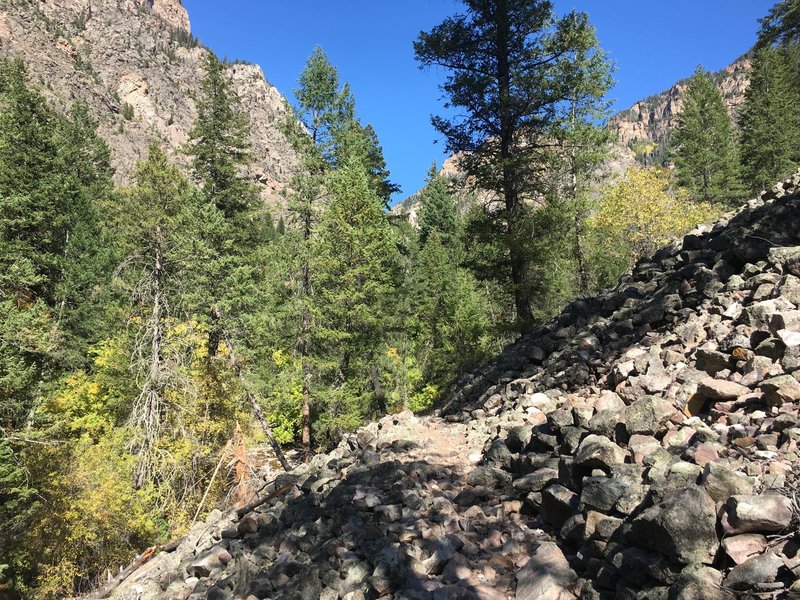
{"x": 218, "y": 142}
{"x": 324, "y": 109}
{"x": 781, "y": 26}
{"x": 82, "y": 296}
{"x": 704, "y": 149}
{"x": 584, "y": 141}
{"x": 354, "y": 270}
{"x": 504, "y": 59}
{"x": 158, "y": 224}
{"x": 356, "y": 140}
{"x": 438, "y": 212}
{"x": 770, "y": 119}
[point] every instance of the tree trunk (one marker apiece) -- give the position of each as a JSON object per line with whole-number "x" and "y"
{"x": 258, "y": 411}
{"x": 150, "y": 398}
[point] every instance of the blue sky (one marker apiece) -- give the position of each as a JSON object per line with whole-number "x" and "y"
{"x": 653, "y": 43}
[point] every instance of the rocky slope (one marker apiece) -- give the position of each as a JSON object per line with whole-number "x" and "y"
{"x": 643, "y": 444}
{"x": 137, "y": 66}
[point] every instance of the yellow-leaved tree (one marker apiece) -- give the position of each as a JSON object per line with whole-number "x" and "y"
{"x": 636, "y": 215}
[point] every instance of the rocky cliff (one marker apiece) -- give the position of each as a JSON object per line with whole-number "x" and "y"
{"x": 641, "y": 445}
{"x": 137, "y": 66}
{"x": 645, "y": 127}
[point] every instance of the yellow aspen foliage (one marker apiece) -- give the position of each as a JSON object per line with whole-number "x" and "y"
{"x": 639, "y": 213}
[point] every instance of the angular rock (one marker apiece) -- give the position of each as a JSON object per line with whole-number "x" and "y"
{"x": 702, "y": 583}
{"x": 536, "y": 481}
{"x": 744, "y": 546}
{"x": 546, "y": 576}
{"x": 764, "y": 513}
{"x": 599, "y": 452}
{"x": 780, "y": 390}
{"x": 488, "y": 477}
{"x": 602, "y": 493}
{"x": 558, "y": 504}
{"x": 721, "y": 483}
{"x": 720, "y": 389}
{"x": 760, "y": 569}
{"x": 647, "y": 416}
{"x": 682, "y": 527}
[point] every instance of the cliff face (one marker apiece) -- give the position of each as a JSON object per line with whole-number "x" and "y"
{"x": 137, "y": 66}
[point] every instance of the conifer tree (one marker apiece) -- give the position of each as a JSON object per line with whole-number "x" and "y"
{"x": 503, "y": 60}
{"x": 438, "y": 212}
{"x": 770, "y": 119}
{"x": 357, "y": 140}
{"x": 704, "y": 148}
{"x": 157, "y": 227}
{"x": 781, "y": 26}
{"x": 354, "y": 270}
{"x": 583, "y": 139}
{"x": 218, "y": 142}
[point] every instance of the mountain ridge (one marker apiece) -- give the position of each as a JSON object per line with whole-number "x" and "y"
{"x": 137, "y": 66}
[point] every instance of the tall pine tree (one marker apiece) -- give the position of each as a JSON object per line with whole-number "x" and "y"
{"x": 503, "y": 59}
{"x": 770, "y": 119}
{"x": 704, "y": 149}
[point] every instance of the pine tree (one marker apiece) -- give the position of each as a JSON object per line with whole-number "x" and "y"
{"x": 770, "y": 119}
{"x": 781, "y": 26}
{"x": 218, "y": 142}
{"x": 704, "y": 149}
{"x": 504, "y": 60}
{"x": 438, "y": 212}
{"x": 583, "y": 139}
{"x": 354, "y": 268}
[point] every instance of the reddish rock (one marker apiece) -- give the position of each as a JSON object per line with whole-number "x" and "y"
{"x": 744, "y": 546}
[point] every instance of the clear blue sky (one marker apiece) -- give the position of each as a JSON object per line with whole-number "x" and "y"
{"x": 653, "y": 43}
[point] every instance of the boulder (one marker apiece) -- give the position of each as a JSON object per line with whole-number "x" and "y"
{"x": 682, "y": 527}
{"x": 546, "y": 576}
{"x": 762, "y": 513}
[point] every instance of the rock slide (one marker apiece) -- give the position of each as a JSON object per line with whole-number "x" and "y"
{"x": 641, "y": 445}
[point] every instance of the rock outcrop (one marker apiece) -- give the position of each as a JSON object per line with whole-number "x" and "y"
{"x": 643, "y": 444}
{"x": 650, "y": 121}
{"x": 137, "y": 66}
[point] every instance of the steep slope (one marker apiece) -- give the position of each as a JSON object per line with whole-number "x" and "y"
{"x": 137, "y": 66}
{"x": 643, "y": 444}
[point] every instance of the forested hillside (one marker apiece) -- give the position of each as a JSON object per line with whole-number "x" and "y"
{"x": 202, "y": 285}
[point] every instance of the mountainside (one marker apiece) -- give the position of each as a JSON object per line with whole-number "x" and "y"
{"x": 137, "y": 66}
{"x": 642, "y": 132}
{"x": 645, "y": 127}
{"x": 642, "y": 444}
